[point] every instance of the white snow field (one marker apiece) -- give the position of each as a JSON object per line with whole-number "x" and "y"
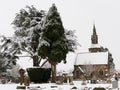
{"x": 53, "y": 86}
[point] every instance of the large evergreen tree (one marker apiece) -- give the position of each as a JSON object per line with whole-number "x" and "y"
{"x": 56, "y": 40}
{"x": 27, "y": 24}
{"x": 41, "y": 36}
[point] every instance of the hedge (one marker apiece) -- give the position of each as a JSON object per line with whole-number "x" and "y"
{"x": 39, "y": 75}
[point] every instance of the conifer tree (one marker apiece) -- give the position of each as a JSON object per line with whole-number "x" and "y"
{"x": 56, "y": 44}
{"x": 41, "y": 36}
{"x": 27, "y": 24}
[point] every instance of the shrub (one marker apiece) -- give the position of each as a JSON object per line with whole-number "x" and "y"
{"x": 39, "y": 75}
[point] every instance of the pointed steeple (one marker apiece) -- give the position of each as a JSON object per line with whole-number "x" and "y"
{"x": 94, "y": 30}
{"x": 94, "y": 37}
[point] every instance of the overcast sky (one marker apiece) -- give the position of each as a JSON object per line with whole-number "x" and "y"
{"x": 79, "y": 15}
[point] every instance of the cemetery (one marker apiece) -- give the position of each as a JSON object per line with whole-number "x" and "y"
{"x": 41, "y": 36}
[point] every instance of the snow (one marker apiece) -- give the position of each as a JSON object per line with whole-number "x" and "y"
{"x": 25, "y": 62}
{"x": 47, "y": 86}
{"x": 91, "y": 58}
{"x": 95, "y": 46}
{"x": 8, "y": 86}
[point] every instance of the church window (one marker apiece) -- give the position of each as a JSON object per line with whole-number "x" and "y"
{"x": 101, "y": 73}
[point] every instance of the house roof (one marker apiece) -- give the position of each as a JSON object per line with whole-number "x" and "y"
{"x": 91, "y": 58}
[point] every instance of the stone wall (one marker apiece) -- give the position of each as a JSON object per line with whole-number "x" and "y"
{"x": 90, "y": 72}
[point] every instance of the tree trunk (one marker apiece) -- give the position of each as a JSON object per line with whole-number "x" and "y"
{"x": 53, "y": 67}
{"x": 35, "y": 61}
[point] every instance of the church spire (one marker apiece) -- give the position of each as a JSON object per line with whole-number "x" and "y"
{"x": 94, "y": 41}
{"x": 94, "y": 37}
{"x": 94, "y": 30}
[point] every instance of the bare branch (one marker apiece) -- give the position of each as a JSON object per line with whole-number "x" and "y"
{"x": 44, "y": 63}
{"x": 39, "y": 60}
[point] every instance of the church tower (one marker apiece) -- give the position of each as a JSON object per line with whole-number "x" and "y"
{"x": 94, "y": 37}
{"x": 94, "y": 42}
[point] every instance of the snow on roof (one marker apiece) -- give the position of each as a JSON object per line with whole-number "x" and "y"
{"x": 91, "y": 58}
{"x": 95, "y": 46}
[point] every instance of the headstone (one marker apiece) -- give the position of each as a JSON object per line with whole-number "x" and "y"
{"x": 114, "y": 84}
{"x": 68, "y": 81}
{"x": 3, "y": 80}
{"x": 83, "y": 82}
{"x": 21, "y": 72}
{"x": 26, "y": 80}
{"x": 21, "y": 87}
{"x": 93, "y": 81}
{"x": 74, "y": 88}
{"x": 99, "y": 88}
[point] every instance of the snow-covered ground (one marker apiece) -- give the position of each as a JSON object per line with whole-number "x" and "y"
{"x": 52, "y": 86}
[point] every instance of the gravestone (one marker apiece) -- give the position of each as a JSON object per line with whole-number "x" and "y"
{"x": 93, "y": 81}
{"x": 21, "y": 87}
{"x": 21, "y": 72}
{"x": 99, "y": 88}
{"x": 114, "y": 84}
{"x": 26, "y": 80}
{"x": 74, "y": 88}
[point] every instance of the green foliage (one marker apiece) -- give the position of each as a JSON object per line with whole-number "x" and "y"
{"x": 39, "y": 35}
{"x": 39, "y": 75}
{"x": 52, "y": 25}
{"x": 27, "y": 24}
{"x": 24, "y": 17}
{"x": 54, "y": 34}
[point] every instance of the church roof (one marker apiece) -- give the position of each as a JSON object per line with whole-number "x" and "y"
{"x": 92, "y": 58}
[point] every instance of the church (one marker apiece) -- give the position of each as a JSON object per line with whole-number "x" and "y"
{"x": 96, "y": 64}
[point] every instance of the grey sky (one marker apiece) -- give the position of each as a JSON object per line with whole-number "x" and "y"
{"x": 79, "y": 15}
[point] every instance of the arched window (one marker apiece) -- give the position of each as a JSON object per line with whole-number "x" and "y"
{"x": 101, "y": 73}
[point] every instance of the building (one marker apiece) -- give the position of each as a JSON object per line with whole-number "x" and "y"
{"x": 95, "y": 64}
